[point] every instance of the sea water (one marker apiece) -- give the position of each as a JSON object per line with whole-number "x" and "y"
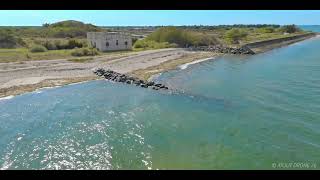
{"x": 232, "y": 112}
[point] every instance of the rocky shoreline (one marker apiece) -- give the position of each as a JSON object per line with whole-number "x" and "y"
{"x": 225, "y": 50}
{"x": 123, "y": 78}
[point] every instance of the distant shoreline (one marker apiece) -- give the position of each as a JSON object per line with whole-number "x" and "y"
{"x": 267, "y": 45}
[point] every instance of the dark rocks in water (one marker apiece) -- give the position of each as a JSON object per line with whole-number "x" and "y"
{"x": 158, "y": 85}
{"x": 117, "y": 77}
{"x": 128, "y": 82}
{"x": 225, "y": 50}
{"x": 136, "y": 82}
{"x": 150, "y": 83}
{"x": 144, "y": 85}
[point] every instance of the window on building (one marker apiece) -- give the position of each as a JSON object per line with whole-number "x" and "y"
{"x": 117, "y": 43}
{"x": 126, "y": 43}
{"x": 107, "y": 44}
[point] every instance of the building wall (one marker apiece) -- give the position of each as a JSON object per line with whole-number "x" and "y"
{"x": 106, "y": 41}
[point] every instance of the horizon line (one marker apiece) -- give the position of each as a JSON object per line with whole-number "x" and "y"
{"x": 163, "y": 25}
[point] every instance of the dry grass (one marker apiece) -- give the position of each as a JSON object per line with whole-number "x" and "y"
{"x": 23, "y": 54}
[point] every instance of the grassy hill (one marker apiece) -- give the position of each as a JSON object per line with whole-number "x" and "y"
{"x": 71, "y": 29}
{"x": 63, "y": 29}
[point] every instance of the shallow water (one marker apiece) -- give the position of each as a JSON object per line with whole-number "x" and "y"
{"x": 236, "y": 112}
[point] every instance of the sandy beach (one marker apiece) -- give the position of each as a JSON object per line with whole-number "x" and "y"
{"x": 19, "y": 77}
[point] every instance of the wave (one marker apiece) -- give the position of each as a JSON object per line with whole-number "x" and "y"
{"x": 7, "y": 97}
{"x": 184, "y": 66}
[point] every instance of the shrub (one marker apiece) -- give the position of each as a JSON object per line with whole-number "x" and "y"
{"x": 134, "y": 40}
{"x": 8, "y": 40}
{"x": 235, "y": 35}
{"x": 73, "y": 43}
{"x": 150, "y": 44}
{"x": 61, "y": 44}
{"x": 38, "y": 48}
{"x": 266, "y": 30}
{"x": 85, "y": 52}
{"x": 290, "y": 28}
{"x": 181, "y": 37}
{"x": 50, "y": 45}
{"x": 172, "y": 35}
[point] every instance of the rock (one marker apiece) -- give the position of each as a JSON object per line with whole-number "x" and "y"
{"x": 150, "y": 83}
{"x": 144, "y": 85}
{"x": 226, "y": 50}
{"x": 136, "y": 82}
{"x": 117, "y": 77}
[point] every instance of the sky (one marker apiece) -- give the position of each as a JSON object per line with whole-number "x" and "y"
{"x": 158, "y": 17}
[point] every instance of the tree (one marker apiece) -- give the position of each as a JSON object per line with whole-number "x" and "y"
{"x": 8, "y": 40}
{"x": 234, "y": 35}
{"x": 266, "y": 30}
{"x": 290, "y": 28}
{"x": 45, "y": 25}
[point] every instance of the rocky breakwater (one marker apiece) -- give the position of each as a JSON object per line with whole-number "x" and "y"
{"x": 225, "y": 50}
{"x": 123, "y": 78}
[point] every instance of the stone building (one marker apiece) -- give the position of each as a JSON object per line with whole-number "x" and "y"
{"x": 110, "y": 41}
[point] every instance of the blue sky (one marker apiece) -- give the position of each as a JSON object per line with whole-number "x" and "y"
{"x": 162, "y": 17}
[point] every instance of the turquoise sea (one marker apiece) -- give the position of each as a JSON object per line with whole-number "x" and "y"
{"x": 233, "y": 112}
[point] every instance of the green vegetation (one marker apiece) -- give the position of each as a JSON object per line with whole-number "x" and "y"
{"x": 235, "y": 35}
{"x": 185, "y": 36}
{"x": 24, "y": 54}
{"x": 85, "y": 52}
{"x": 181, "y": 37}
{"x": 47, "y": 42}
{"x": 69, "y": 29}
{"x": 265, "y": 30}
{"x": 9, "y": 40}
{"x": 57, "y": 44}
{"x": 228, "y": 27}
{"x": 38, "y": 48}
{"x": 66, "y": 39}
{"x": 150, "y": 44}
{"x": 290, "y": 29}
{"x": 64, "y": 29}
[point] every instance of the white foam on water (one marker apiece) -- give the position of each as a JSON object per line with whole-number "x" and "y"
{"x": 50, "y": 87}
{"x": 7, "y": 97}
{"x": 184, "y": 66}
{"x": 154, "y": 77}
